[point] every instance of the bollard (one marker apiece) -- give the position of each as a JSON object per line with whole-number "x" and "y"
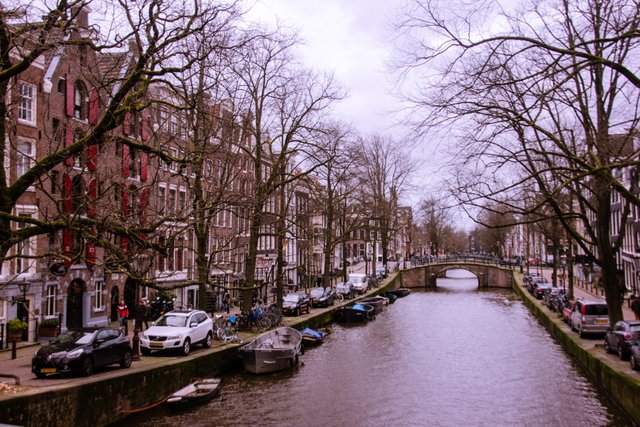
{"x": 13, "y": 350}
{"x": 136, "y": 345}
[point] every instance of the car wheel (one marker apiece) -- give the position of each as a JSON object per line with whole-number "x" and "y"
{"x": 607, "y": 347}
{"x": 145, "y": 351}
{"x": 296, "y": 312}
{"x": 87, "y": 367}
{"x": 208, "y": 341}
{"x": 186, "y": 346}
{"x": 621, "y": 353}
{"x": 580, "y": 332}
{"x": 40, "y": 375}
{"x": 127, "y": 358}
{"x": 633, "y": 363}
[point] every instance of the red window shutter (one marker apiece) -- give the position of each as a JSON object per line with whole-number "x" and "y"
{"x": 67, "y": 242}
{"x": 126, "y": 123}
{"x": 125, "y": 201}
{"x": 92, "y": 192}
{"x": 143, "y": 166}
{"x": 93, "y": 106}
{"x": 68, "y": 191}
{"x": 124, "y": 244}
{"x": 69, "y": 96}
{"x": 68, "y": 141}
{"x": 145, "y": 125}
{"x": 91, "y": 254}
{"x": 125, "y": 161}
{"x": 92, "y": 153}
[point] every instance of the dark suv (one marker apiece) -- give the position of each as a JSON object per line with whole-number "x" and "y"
{"x": 295, "y": 304}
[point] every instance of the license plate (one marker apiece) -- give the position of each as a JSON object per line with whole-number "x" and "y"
{"x": 48, "y": 370}
{"x": 156, "y": 344}
{"x": 602, "y": 321}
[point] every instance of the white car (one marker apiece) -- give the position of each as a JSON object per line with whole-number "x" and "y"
{"x": 178, "y": 330}
{"x": 359, "y": 282}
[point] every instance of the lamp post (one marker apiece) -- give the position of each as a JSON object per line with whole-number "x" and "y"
{"x": 23, "y": 286}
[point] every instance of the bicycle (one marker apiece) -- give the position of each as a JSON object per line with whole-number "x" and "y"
{"x": 274, "y": 314}
{"x": 258, "y": 320}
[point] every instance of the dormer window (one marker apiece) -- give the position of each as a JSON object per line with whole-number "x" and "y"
{"x": 80, "y": 101}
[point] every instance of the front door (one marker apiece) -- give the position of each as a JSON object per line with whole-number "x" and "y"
{"x": 23, "y": 314}
{"x": 115, "y": 300}
{"x": 74, "y": 304}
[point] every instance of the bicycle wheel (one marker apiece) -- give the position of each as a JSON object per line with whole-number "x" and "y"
{"x": 221, "y": 333}
{"x": 340, "y": 297}
{"x": 221, "y": 321}
{"x": 264, "y": 323}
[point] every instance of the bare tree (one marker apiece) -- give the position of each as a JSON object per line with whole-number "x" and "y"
{"x": 547, "y": 105}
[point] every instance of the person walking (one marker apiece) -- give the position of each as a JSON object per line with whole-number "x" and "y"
{"x": 123, "y": 313}
{"x": 141, "y": 315}
{"x": 635, "y": 306}
{"x": 226, "y": 299}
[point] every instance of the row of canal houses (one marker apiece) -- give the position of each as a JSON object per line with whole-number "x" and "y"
{"x": 54, "y": 102}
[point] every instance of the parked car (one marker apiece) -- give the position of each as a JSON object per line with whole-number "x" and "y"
{"x": 178, "y": 330}
{"x": 82, "y": 352}
{"x": 294, "y": 304}
{"x": 589, "y": 317}
{"x": 344, "y": 290}
{"x": 322, "y": 297}
{"x": 359, "y": 282}
{"x": 618, "y": 339}
{"x": 372, "y": 282}
{"x": 535, "y": 282}
{"x": 634, "y": 356}
{"x": 567, "y": 309}
{"x": 541, "y": 289}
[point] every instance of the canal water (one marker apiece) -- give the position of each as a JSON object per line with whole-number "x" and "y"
{"x": 456, "y": 356}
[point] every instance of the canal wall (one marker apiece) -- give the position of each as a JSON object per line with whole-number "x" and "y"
{"x": 622, "y": 387}
{"x": 105, "y": 400}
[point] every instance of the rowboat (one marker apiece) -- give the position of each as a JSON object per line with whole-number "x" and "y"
{"x": 196, "y": 393}
{"x": 272, "y": 351}
{"x": 402, "y": 292}
{"x": 355, "y": 313}
{"x": 311, "y": 337}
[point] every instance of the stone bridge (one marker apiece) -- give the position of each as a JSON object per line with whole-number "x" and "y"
{"x": 489, "y": 275}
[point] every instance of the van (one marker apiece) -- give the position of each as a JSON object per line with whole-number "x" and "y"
{"x": 359, "y": 282}
{"x": 590, "y": 317}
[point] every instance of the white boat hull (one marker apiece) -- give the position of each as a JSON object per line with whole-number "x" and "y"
{"x": 272, "y": 351}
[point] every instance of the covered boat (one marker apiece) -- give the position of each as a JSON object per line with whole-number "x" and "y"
{"x": 311, "y": 337}
{"x": 272, "y": 351}
{"x": 198, "y": 392}
{"x": 391, "y": 296}
{"x": 354, "y": 313}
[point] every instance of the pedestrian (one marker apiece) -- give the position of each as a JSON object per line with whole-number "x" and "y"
{"x": 635, "y": 306}
{"x": 123, "y": 313}
{"x": 226, "y": 299}
{"x": 141, "y": 315}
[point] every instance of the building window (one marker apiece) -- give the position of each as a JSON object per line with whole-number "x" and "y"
{"x": 79, "y": 101}
{"x": 172, "y": 202}
{"x": 25, "y": 157}
{"x": 134, "y": 164}
{"x": 50, "y": 300}
{"x": 98, "y": 302}
{"x": 23, "y": 250}
{"x": 161, "y": 200}
{"x": 27, "y": 102}
{"x": 182, "y": 202}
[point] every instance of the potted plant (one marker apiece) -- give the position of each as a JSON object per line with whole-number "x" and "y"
{"x": 16, "y": 327}
{"x": 48, "y": 328}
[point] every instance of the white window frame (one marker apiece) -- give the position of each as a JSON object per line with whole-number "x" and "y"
{"x": 51, "y": 297}
{"x": 25, "y": 155}
{"x": 27, "y": 103}
{"x": 99, "y": 296}
{"x": 25, "y": 248}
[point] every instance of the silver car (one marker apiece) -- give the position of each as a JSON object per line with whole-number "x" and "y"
{"x": 589, "y": 317}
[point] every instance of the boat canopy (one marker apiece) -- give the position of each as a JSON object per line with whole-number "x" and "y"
{"x": 312, "y": 332}
{"x": 359, "y": 307}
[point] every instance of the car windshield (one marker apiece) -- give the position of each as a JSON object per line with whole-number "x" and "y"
{"x": 291, "y": 298}
{"x": 596, "y": 310}
{"x": 70, "y": 337}
{"x": 634, "y": 328}
{"x": 170, "y": 320}
{"x": 317, "y": 292}
{"x": 86, "y": 338}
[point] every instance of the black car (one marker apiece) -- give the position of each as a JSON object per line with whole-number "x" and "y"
{"x": 322, "y": 297}
{"x": 82, "y": 352}
{"x": 620, "y": 338}
{"x": 295, "y": 304}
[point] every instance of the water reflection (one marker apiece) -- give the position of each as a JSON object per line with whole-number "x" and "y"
{"x": 454, "y": 356}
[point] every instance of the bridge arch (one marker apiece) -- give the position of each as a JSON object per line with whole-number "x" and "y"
{"x": 488, "y": 275}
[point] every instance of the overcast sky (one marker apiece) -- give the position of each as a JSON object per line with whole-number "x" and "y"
{"x": 349, "y": 38}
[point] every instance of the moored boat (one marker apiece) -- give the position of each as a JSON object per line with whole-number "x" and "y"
{"x": 356, "y": 313}
{"x": 272, "y": 351}
{"x": 377, "y": 302}
{"x": 391, "y": 296}
{"x": 402, "y": 292}
{"x": 196, "y": 393}
{"x": 311, "y": 337}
